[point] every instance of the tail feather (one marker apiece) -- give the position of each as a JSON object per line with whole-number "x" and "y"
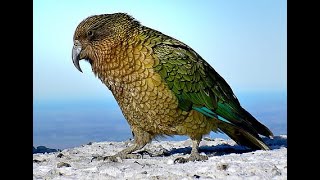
{"x": 246, "y": 121}
{"x": 240, "y": 117}
{"x": 242, "y": 136}
{"x": 260, "y": 128}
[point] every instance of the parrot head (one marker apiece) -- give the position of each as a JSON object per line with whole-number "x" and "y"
{"x": 98, "y": 34}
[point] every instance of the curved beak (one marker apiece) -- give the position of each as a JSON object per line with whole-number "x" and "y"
{"x": 76, "y": 50}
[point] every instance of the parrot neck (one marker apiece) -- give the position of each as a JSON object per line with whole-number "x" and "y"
{"x": 123, "y": 64}
{"x": 116, "y": 67}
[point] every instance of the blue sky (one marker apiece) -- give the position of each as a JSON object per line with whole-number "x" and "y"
{"x": 245, "y": 41}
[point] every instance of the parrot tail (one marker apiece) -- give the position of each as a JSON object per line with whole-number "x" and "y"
{"x": 260, "y": 128}
{"x": 242, "y": 136}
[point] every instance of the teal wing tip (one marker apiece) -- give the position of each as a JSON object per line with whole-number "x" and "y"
{"x": 204, "y": 110}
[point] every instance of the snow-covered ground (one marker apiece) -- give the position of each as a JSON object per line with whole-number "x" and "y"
{"x": 227, "y": 160}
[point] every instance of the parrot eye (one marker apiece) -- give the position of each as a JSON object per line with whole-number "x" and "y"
{"x": 90, "y": 33}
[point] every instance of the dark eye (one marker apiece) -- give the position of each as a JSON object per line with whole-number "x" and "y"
{"x": 90, "y": 33}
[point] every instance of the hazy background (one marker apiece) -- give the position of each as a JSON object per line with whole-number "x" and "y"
{"x": 245, "y": 41}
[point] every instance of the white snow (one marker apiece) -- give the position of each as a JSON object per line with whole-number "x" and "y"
{"x": 227, "y": 160}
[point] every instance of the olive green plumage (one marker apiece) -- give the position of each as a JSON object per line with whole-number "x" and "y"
{"x": 162, "y": 86}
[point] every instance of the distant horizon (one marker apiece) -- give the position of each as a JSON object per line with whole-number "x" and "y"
{"x": 61, "y": 125}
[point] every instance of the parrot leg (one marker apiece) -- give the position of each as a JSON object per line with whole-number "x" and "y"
{"x": 141, "y": 138}
{"x": 194, "y": 156}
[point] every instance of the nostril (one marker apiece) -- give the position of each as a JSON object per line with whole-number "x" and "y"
{"x": 76, "y": 43}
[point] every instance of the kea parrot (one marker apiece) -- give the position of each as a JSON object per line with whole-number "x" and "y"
{"x": 162, "y": 86}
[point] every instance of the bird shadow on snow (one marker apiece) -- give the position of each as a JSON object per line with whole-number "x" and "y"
{"x": 223, "y": 149}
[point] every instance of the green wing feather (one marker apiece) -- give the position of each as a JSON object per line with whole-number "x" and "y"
{"x": 198, "y": 86}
